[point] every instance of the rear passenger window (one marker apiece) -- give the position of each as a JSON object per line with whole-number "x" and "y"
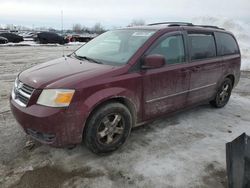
{"x": 172, "y": 48}
{"x": 202, "y": 46}
{"x": 226, "y": 44}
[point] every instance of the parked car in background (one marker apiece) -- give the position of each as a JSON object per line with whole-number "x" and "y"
{"x": 27, "y": 34}
{"x": 3, "y": 40}
{"x": 125, "y": 78}
{"x": 12, "y": 37}
{"x": 50, "y": 37}
{"x": 79, "y": 38}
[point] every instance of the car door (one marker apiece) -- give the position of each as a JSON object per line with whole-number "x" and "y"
{"x": 205, "y": 66}
{"x": 165, "y": 89}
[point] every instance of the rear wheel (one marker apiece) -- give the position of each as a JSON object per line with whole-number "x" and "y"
{"x": 108, "y": 128}
{"x": 223, "y": 94}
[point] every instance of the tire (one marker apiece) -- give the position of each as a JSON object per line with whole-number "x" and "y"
{"x": 112, "y": 120}
{"x": 223, "y": 94}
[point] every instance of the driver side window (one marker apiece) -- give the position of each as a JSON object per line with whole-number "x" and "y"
{"x": 172, "y": 48}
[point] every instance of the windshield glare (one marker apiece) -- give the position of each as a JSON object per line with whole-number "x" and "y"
{"x": 115, "y": 47}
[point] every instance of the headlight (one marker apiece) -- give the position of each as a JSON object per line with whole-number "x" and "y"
{"x": 56, "y": 97}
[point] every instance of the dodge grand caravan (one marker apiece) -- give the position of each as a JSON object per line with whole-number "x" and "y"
{"x": 125, "y": 78}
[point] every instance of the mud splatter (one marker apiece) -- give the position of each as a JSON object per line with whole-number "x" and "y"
{"x": 122, "y": 178}
{"x": 215, "y": 177}
{"x": 52, "y": 176}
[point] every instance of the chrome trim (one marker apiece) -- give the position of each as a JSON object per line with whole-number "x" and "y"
{"x": 24, "y": 94}
{"x": 16, "y": 100}
{"x": 19, "y": 90}
{"x": 19, "y": 102}
{"x": 183, "y": 92}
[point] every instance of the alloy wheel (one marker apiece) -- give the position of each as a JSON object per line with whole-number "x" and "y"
{"x": 110, "y": 129}
{"x": 224, "y": 94}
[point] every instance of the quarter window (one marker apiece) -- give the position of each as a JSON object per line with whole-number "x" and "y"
{"x": 226, "y": 44}
{"x": 202, "y": 46}
{"x": 172, "y": 48}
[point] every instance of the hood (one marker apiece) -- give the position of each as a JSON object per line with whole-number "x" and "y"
{"x": 44, "y": 75}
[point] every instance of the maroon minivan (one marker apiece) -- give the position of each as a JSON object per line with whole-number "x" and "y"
{"x": 124, "y": 78}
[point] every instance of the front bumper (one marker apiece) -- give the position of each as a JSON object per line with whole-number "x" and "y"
{"x": 58, "y": 127}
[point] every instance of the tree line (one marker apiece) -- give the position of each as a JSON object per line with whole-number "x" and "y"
{"x": 97, "y": 28}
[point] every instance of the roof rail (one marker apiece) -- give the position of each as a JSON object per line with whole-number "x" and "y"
{"x": 210, "y": 26}
{"x": 184, "y": 24}
{"x": 172, "y": 24}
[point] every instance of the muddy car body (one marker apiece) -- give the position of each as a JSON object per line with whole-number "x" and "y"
{"x": 125, "y": 78}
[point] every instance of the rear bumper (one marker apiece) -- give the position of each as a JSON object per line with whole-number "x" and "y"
{"x": 57, "y": 127}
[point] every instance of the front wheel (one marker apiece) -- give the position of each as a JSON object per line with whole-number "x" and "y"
{"x": 108, "y": 128}
{"x": 223, "y": 94}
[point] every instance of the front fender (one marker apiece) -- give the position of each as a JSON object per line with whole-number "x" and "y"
{"x": 97, "y": 98}
{"x": 105, "y": 94}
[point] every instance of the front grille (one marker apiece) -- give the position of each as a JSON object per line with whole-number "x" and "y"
{"x": 21, "y": 93}
{"x": 27, "y": 89}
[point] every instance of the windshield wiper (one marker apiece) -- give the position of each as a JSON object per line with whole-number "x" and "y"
{"x": 90, "y": 59}
{"x": 87, "y": 58}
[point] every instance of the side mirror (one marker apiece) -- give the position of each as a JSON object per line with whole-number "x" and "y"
{"x": 153, "y": 61}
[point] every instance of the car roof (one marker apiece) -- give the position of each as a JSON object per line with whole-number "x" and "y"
{"x": 171, "y": 26}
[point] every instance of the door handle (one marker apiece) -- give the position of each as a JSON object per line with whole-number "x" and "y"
{"x": 196, "y": 69}
{"x": 185, "y": 70}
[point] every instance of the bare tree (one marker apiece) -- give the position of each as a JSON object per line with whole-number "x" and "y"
{"x": 137, "y": 22}
{"x": 42, "y": 28}
{"x": 98, "y": 28}
{"x": 77, "y": 28}
{"x": 10, "y": 27}
{"x": 21, "y": 27}
{"x": 85, "y": 29}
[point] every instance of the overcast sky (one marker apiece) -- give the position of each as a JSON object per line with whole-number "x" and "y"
{"x": 116, "y": 12}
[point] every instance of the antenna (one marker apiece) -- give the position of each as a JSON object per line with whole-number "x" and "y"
{"x": 62, "y": 31}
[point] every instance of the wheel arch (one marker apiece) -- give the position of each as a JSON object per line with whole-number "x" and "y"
{"x": 231, "y": 77}
{"x": 118, "y": 99}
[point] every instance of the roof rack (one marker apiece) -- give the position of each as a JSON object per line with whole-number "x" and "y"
{"x": 172, "y": 24}
{"x": 184, "y": 24}
{"x": 210, "y": 26}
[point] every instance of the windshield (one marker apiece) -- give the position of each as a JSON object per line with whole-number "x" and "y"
{"x": 114, "y": 47}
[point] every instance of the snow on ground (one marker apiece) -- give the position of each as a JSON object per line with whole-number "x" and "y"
{"x": 240, "y": 29}
{"x": 184, "y": 150}
{"x": 33, "y": 43}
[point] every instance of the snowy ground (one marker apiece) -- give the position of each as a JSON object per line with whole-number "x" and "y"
{"x": 185, "y": 150}
{"x": 33, "y": 43}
